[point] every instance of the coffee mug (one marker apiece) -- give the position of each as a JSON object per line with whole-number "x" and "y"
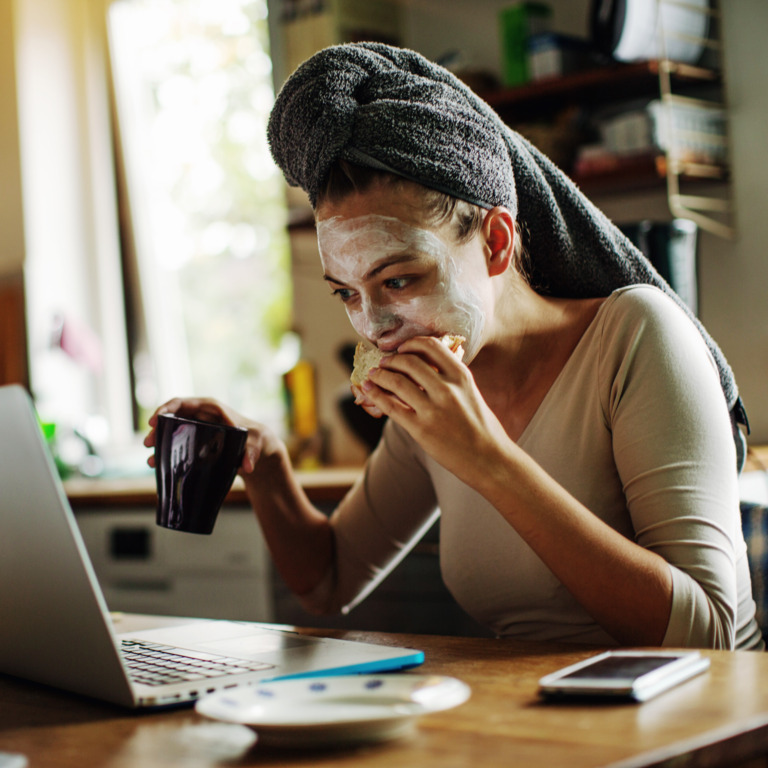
{"x": 195, "y": 465}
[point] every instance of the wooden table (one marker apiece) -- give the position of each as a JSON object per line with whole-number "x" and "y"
{"x": 717, "y": 719}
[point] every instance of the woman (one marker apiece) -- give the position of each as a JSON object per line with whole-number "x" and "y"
{"x": 581, "y": 453}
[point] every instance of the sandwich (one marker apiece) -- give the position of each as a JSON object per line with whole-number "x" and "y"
{"x": 368, "y": 357}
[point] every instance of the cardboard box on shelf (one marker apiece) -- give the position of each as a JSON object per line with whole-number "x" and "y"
{"x": 553, "y": 55}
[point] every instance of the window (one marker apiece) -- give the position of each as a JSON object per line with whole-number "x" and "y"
{"x": 206, "y": 264}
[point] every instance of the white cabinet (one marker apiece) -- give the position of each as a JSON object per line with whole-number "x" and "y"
{"x": 147, "y": 569}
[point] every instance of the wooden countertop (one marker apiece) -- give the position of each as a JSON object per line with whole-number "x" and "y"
{"x": 322, "y": 485}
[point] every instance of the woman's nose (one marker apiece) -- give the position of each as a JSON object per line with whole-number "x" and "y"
{"x": 377, "y": 320}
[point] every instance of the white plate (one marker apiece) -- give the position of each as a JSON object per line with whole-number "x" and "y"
{"x": 316, "y": 711}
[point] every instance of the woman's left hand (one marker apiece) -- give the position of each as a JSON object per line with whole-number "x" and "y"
{"x": 429, "y": 392}
{"x": 362, "y": 401}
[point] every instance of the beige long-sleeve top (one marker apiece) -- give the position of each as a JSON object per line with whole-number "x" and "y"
{"x": 637, "y": 429}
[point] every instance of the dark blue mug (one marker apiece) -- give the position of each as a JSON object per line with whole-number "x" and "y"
{"x": 195, "y": 466}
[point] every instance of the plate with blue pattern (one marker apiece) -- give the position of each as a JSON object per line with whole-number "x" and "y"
{"x": 315, "y": 711}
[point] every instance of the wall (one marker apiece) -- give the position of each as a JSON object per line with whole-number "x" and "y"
{"x": 435, "y": 27}
{"x": 734, "y": 276}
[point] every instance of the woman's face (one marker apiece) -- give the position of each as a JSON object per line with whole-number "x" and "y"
{"x": 396, "y": 275}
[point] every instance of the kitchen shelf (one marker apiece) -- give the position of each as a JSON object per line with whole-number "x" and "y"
{"x": 593, "y": 87}
{"x": 632, "y": 173}
{"x": 616, "y": 82}
{"x": 642, "y": 172}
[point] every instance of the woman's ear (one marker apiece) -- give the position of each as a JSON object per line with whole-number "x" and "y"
{"x": 500, "y": 233}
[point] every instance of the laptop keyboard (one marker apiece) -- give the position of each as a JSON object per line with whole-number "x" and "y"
{"x": 156, "y": 664}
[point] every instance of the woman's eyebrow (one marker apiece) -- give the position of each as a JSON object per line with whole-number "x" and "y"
{"x": 377, "y": 269}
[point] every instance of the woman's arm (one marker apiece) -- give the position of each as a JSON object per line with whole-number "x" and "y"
{"x": 298, "y": 535}
{"x": 627, "y": 589}
{"x": 674, "y": 451}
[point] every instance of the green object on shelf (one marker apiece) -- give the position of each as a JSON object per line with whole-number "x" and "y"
{"x": 517, "y": 24}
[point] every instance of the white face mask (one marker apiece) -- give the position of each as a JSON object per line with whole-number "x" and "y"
{"x": 398, "y": 281}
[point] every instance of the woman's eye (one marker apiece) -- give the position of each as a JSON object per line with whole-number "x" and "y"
{"x": 396, "y": 283}
{"x": 345, "y": 294}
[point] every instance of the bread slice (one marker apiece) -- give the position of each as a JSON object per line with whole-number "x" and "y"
{"x": 368, "y": 357}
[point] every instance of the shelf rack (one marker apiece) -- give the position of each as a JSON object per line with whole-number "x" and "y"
{"x": 594, "y": 87}
{"x": 712, "y": 213}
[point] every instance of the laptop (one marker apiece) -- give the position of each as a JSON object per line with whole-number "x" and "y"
{"x": 57, "y": 629}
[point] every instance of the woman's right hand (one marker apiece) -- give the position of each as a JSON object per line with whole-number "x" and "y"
{"x": 261, "y": 440}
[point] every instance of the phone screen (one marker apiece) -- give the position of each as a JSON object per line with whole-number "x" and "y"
{"x": 620, "y": 667}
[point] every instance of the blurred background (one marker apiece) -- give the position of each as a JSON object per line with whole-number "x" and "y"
{"x": 150, "y": 248}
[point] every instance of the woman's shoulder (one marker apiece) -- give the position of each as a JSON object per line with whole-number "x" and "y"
{"x": 648, "y": 306}
{"x": 642, "y": 298}
{"x": 647, "y": 313}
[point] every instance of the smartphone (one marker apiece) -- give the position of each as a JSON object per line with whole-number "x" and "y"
{"x": 623, "y": 675}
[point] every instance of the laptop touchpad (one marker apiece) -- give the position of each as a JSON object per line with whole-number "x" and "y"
{"x": 253, "y": 646}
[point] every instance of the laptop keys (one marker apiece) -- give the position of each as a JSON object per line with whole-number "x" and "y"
{"x": 156, "y": 664}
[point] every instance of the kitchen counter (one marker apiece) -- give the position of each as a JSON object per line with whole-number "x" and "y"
{"x": 322, "y": 485}
{"x": 325, "y": 485}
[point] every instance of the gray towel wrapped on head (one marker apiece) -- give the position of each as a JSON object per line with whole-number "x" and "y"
{"x": 393, "y": 109}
